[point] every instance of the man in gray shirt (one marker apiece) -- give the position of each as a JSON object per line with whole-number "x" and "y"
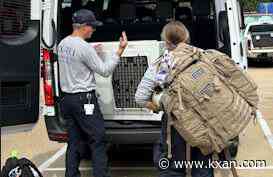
{"x": 78, "y": 62}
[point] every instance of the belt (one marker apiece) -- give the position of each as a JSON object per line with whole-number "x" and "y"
{"x": 80, "y": 93}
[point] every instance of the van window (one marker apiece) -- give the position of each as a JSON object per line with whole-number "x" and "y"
{"x": 14, "y": 18}
{"x": 144, "y": 19}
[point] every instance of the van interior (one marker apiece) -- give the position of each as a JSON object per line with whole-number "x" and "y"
{"x": 144, "y": 19}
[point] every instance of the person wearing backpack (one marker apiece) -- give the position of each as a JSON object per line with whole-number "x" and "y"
{"x": 207, "y": 99}
{"x": 155, "y": 80}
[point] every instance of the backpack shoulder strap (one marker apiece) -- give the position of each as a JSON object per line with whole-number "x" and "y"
{"x": 157, "y": 62}
{"x": 184, "y": 56}
{"x": 228, "y": 158}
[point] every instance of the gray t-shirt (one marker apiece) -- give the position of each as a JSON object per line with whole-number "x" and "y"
{"x": 78, "y": 61}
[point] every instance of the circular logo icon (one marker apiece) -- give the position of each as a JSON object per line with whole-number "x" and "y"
{"x": 164, "y": 163}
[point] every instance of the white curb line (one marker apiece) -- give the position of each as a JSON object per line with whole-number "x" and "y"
{"x": 52, "y": 159}
{"x": 267, "y": 132}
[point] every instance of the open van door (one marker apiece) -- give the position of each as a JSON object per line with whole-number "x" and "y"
{"x": 52, "y": 95}
{"x": 19, "y": 63}
{"x": 236, "y": 25}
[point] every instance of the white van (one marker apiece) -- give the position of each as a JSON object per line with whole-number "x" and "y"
{"x": 212, "y": 24}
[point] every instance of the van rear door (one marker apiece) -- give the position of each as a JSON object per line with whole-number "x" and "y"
{"x": 20, "y": 62}
{"x": 236, "y": 25}
{"x": 53, "y": 118}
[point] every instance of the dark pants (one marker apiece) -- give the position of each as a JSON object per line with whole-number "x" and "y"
{"x": 84, "y": 128}
{"x": 179, "y": 154}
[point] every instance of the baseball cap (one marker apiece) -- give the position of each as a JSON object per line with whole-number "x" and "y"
{"x": 87, "y": 17}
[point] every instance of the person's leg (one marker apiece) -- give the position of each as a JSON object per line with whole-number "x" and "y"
{"x": 93, "y": 127}
{"x": 178, "y": 149}
{"x": 201, "y": 172}
{"x": 72, "y": 160}
{"x": 178, "y": 146}
{"x": 99, "y": 151}
{"x": 159, "y": 149}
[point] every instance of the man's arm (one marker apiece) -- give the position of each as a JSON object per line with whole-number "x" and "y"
{"x": 104, "y": 68}
{"x": 96, "y": 64}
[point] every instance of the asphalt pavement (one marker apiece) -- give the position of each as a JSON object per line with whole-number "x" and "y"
{"x": 256, "y": 143}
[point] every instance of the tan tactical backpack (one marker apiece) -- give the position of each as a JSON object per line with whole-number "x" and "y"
{"x": 210, "y": 100}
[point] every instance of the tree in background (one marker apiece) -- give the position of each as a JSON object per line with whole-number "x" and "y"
{"x": 251, "y": 5}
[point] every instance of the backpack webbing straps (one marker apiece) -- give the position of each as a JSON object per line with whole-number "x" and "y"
{"x": 169, "y": 136}
{"x": 228, "y": 157}
{"x": 188, "y": 159}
